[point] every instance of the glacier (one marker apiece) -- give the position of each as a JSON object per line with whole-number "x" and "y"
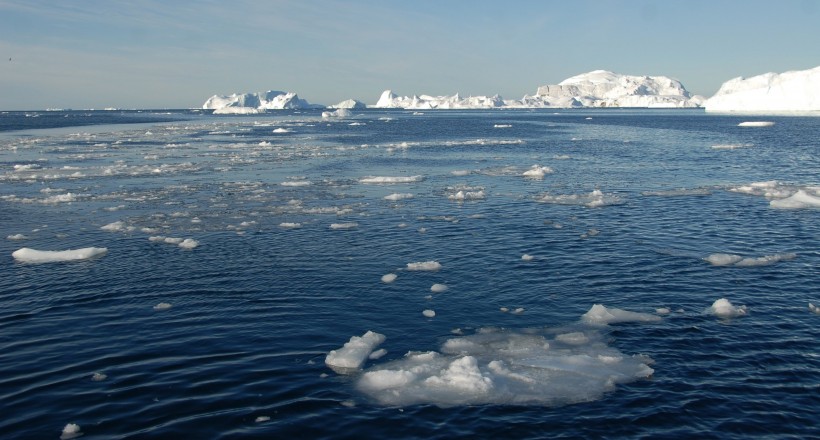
{"x": 792, "y": 91}
{"x": 599, "y": 88}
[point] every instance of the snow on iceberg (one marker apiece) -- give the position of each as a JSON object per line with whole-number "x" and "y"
{"x": 28, "y": 255}
{"x": 793, "y": 91}
{"x": 353, "y": 354}
{"x": 244, "y": 103}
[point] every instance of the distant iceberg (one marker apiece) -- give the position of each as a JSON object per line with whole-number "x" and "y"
{"x": 246, "y": 103}
{"x": 599, "y": 88}
{"x": 349, "y": 104}
{"x": 794, "y": 91}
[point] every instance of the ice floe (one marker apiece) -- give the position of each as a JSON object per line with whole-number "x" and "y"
{"x": 390, "y": 179}
{"x": 526, "y": 257}
{"x": 537, "y": 172}
{"x": 424, "y": 266}
{"x": 438, "y": 288}
{"x": 16, "y": 237}
{"x": 354, "y": 353}
{"x": 725, "y": 309}
{"x": 290, "y": 225}
{"x": 398, "y": 196}
{"x": 599, "y": 314}
{"x": 721, "y": 259}
{"x": 428, "y": 313}
{"x": 756, "y": 124}
{"x": 347, "y": 225}
{"x": 389, "y": 278}
{"x": 593, "y": 199}
{"x": 162, "y": 306}
{"x": 338, "y": 113}
{"x": 29, "y": 255}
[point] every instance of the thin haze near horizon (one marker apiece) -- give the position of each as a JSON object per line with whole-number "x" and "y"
{"x": 152, "y": 54}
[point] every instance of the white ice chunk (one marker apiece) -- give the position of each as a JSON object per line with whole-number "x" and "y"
{"x": 29, "y": 255}
{"x": 537, "y": 172}
{"x": 799, "y": 200}
{"x": 429, "y": 313}
{"x": 71, "y": 430}
{"x": 390, "y": 180}
{"x": 113, "y": 227}
{"x": 467, "y": 195}
{"x": 162, "y": 306}
{"x": 289, "y": 225}
{"x": 354, "y": 353}
{"x": 593, "y": 199}
{"x": 723, "y": 259}
{"x": 389, "y": 278}
{"x": 738, "y": 261}
{"x": 378, "y": 354}
{"x": 756, "y": 124}
{"x": 281, "y": 130}
{"x": 424, "y": 266}
{"x": 348, "y": 225}
{"x": 438, "y": 288}
{"x": 16, "y": 237}
{"x": 397, "y": 196}
{"x": 724, "y": 309}
{"x": 262, "y": 419}
{"x": 527, "y": 257}
{"x": 601, "y": 315}
{"x": 188, "y": 243}
{"x": 814, "y": 309}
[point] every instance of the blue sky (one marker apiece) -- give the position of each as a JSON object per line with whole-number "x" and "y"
{"x": 175, "y": 54}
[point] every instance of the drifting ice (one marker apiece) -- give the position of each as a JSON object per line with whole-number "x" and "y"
{"x": 424, "y": 266}
{"x": 353, "y": 354}
{"x": 29, "y": 255}
{"x": 724, "y": 309}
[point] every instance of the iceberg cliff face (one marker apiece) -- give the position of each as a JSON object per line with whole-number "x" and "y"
{"x": 599, "y": 88}
{"x": 269, "y": 100}
{"x": 794, "y": 91}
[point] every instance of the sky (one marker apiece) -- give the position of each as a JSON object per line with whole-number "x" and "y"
{"x": 175, "y": 54}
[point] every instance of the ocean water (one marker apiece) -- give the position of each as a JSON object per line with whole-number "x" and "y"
{"x": 572, "y": 302}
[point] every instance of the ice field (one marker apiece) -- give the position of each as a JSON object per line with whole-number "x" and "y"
{"x": 396, "y": 274}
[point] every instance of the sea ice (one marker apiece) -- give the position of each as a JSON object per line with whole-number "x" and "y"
{"x": 814, "y": 309}
{"x": 353, "y": 354}
{"x": 289, "y": 225}
{"x": 424, "y": 266}
{"x": 537, "y": 172}
{"x": 398, "y": 196}
{"x": 428, "y": 313}
{"x": 724, "y": 309}
{"x": 389, "y": 278}
{"x": 262, "y": 419}
{"x": 593, "y": 199}
{"x": 348, "y": 225}
{"x": 738, "y": 261}
{"x": 71, "y": 430}
{"x": 601, "y": 315}
{"x": 338, "y": 113}
{"x": 390, "y": 179}
{"x": 799, "y": 200}
{"x": 29, "y": 255}
{"x": 16, "y": 237}
{"x": 188, "y": 243}
{"x": 527, "y": 257}
{"x": 756, "y": 124}
{"x": 723, "y": 259}
{"x": 794, "y": 91}
{"x": 438, "y": 288}
{"x": 163, "y": 306}
{"x": 99, "y": 377}
{"x": 467, "y": 195}
{"x": 113, "y": 227}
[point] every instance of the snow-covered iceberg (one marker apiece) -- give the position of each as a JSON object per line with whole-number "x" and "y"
{"x": 599, "y": 88}
{"x": 794, "y": 91}
{"x": 349, "y": 104}
{"x": 248, "y": 102}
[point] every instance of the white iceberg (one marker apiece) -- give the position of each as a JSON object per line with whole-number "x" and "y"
{"x": 349, "y": 104}
{"x": 254, "y": 102}
{"x": 793, "y": 91}
{"x": 29, "y": 255}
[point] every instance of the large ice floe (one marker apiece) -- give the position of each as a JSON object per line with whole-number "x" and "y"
{"x": 547, "y": 367}
{"x": 599, "y": 88}
{"x": 249, "y": 103}
{"x": 793, "y": 91}
{"x": 782, "y": 195}
{"x": 28, "y": 255}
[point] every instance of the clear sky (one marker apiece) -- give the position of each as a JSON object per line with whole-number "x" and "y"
{"x": 177, "y": 53}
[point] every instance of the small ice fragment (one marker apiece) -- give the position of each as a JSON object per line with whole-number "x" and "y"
{"x": 599, "y": 314}
{"x": 389, "y": 278}
{"x": 112, "y": 227}
{"x": 504, "y": 309}
{"x": 398, "y": 196}
{"x": 173, "y": 240}
{"x": 16, "y": 237}
{"x": 262, "y": 419}
{"x": 756, "y": 124}
{"x": 527, "y": 257}
{"x": 71, "y": 430}
{"x": 281, "y": 130}
{"x": 99, "y": 377}
{"x": 723, "y": 259}
{"x": 429, "y": 313}
{"x": 438, "y": 288}
{"x": 518, "y": 311}
{"x": 288, "y": 225}
{"x": 188, "y": 243}
{"x": 537, "y": 172}
{"x": 377, "y": 354}
{"x": 662, "y": 311}
{"x": 724, "y": 309}
{"x": 162, "y": 306}
{"x": 424, "y": 265}
{"x": 348, "y": 225}
{"x": 814, "y": 309}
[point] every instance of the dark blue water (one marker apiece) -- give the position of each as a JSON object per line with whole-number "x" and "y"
{"x": 256, "y": 306}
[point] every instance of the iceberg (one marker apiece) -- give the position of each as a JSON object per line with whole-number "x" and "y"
{"x": 251, "y": 103}
{"x": 351, "y": 104}
{"x": 793, "y": 91}
{"x": 599, "y": 88}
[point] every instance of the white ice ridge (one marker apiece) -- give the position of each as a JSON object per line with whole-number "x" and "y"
{"x": 720, "y": 259}
{"x": 494, "y": 366}
{"x": 29, "y": 255}
{"x": 783, "y": 196}
{"x": 793, "y": 91}
{"x": 354, "y": 353}
{"x": 390, "y": 179}
{"x": 252, "y": 102}
{"x": 724, "y": 309}
{"x": 599, "y": 88}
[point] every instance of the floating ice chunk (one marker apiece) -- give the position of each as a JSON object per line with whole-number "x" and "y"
{"x": 601, "y": 315}
{"x": 800, "y": 199}
{"x": 378, "y": 354}
{"x": 429, "y": 313}
{"x": 173, "y": 240}
{"x": 389, "y": 278}
{"x": 593, "y": 199}
{"x": 338, "y": 113}
{"x": 262, "y": 419}
{"x": 238, "y": 111}
{"x": 163, "y": 306}
{"x": 348, "y": 225}
{"x": 397, "y": 196}
{"x": 537, "y": 172}
{"x": 29, "y": 255}
{"x": 288, "y": 225}
{"x": 756, "y": 124}
{"x": 424, "y": 266}
{"x": 461, "y": 172}
{"x": 814, "y": 309}
{"x": 467, "y": 195}
{"x": 99, "y": 377}
{"x": 502, "y": 126}
{"x": 724, "y": 309}
{"x": 730, "y": 146}
{"x": 71, "y": 430}
{"x": 663, "y": 311}
{"x": 16, "y": 237}
{"x": 281, "y": 130}
{"x": 527, "y": 257}
{"x": 113, "y": 227}
{"x": 462, "y": 376}
{"x": 188, "y": 243}
{"x": 390, "y": 180}
{"x": 723, "y": 259}
{"x": 438, "y": 288}
{"x": 353, "y": 354}
{"x": 296, "y": 183}
{"x": 573, "y": 338}
{"x": 518, "y": 311}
